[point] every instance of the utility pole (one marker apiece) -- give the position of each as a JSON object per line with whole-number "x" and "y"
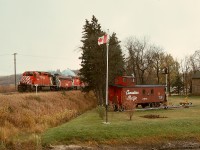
{"x": 166, "y": 72}
{"x": 15, "y": 70}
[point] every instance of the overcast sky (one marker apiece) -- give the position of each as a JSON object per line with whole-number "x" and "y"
{"x": 46, "y": 34}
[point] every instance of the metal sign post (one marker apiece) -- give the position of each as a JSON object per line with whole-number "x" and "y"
{"x": 36, "y": 86}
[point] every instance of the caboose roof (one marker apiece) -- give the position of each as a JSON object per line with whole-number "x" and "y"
{"x": 128, "y": 76}
{"x": 150, "y": 85}
{"x": 137, "y": 86}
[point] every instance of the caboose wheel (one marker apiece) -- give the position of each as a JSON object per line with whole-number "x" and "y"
{"x": 143, "y": 105}
{"x": 157, "y": 104}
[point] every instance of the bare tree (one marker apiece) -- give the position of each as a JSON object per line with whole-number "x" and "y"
{"x": 139, "y": 58}
{"x": 158, "y": 61}
{"x": 195, "y": 61}
{"x": 186, "y": 68}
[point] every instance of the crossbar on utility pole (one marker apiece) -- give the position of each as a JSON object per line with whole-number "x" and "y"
{"x": 15, "y": 70}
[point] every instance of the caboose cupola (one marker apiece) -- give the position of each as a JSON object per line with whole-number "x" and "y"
{"x": 125, "y": 81}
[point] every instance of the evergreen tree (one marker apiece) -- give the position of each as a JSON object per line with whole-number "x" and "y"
{"x": 93, "y": 71}
{"x": 178, "y": 84}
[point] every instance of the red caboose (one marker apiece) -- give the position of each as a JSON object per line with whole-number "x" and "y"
{"x": 144, "y": 95}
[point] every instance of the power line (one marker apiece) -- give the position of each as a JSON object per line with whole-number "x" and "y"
{"x": 37, "y": 56}
{"x": 42, "y": 56}
{"x": 5, "y": 54}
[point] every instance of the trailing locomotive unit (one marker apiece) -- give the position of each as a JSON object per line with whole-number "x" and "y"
{"x": 47, "y": 81}
{"x": 124, "y": 89}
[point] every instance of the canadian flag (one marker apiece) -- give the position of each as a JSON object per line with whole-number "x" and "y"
{"x": 102, "y": 39}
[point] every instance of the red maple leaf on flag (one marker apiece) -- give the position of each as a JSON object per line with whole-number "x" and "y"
{"x": 102, "y": 40}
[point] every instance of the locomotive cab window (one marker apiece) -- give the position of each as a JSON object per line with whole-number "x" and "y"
{"x": 29, "y": 74}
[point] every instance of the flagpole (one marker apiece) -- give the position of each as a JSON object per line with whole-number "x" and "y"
{"x": 107, "y": 46}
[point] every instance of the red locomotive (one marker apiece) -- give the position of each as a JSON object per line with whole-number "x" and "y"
{"x": 124, "y": 89}
{"x": 47, "y": 81}
{"x": 65, "y": 83}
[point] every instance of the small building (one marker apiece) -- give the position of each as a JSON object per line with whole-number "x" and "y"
{"x": 196, "y": 83}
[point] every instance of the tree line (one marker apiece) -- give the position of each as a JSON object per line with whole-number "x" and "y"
{"x": 143, "y": 59}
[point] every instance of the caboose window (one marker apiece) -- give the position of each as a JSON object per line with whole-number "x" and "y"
{"x": 143, "y": 91}
{"x": 124, "y": 80}
{"x": 152, "y": 91}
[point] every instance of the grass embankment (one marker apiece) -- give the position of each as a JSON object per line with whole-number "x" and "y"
{"x": 174, "y": 124}
{"x": 22, "y": 114}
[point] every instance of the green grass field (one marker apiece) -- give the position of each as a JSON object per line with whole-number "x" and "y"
{"x": 173, "y": 124}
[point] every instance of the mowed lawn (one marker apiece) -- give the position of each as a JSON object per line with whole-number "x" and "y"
{"x": 173, "y": 124}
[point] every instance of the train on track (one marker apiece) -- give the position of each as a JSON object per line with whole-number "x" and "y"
{"x": 125, "y": 89}
{"x": 46, "y": 81}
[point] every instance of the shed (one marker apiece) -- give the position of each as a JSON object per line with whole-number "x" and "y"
{"x": 196, "y": 83}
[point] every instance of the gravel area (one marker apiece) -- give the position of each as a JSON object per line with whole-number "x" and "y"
{"x": 175, "y": 145}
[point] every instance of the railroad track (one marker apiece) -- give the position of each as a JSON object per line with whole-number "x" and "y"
{"x": 9, "y": 93}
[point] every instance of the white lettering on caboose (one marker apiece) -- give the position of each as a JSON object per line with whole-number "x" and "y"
{"x": 129, "y": 93}
{"x": 132, "y": 98}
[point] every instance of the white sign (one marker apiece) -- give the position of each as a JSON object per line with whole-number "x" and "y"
{"x": 129, "y": 93}
{"x": 36, "y": 85}
{"x": 132, "y": 98}
{"x": 144, "y": 99}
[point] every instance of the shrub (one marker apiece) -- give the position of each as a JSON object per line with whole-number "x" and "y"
{"x": 101, "y": 111}
{"x": 130, "y": 108}
{"x": 2, "y": 145}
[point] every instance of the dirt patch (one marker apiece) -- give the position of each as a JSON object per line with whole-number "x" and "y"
{"x": 175, "y": 145}
{"x": 153, "y": 116}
